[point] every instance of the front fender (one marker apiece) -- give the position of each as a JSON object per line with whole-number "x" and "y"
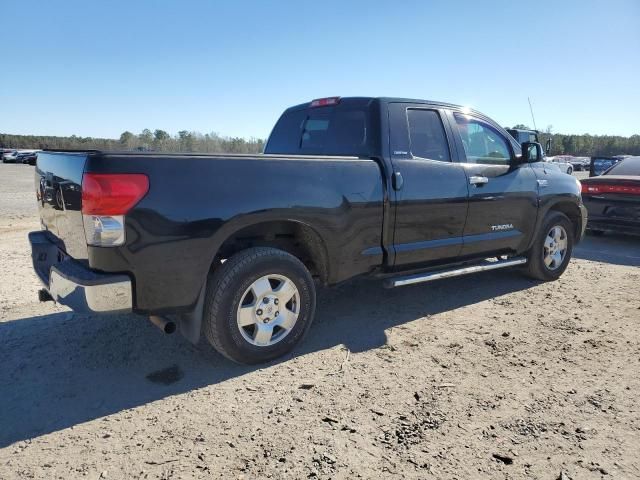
{"x": 558, "y": 191}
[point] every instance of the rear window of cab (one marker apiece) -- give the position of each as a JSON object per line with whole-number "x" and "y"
{"x": 343, "y": 129}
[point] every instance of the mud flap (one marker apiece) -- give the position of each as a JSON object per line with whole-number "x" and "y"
{"x": 191, "y": 323}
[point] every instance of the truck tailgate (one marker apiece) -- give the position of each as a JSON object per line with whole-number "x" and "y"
{"x": 58, "y": 183}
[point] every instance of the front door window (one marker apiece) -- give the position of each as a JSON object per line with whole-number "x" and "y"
{"x": 482, "y": 143}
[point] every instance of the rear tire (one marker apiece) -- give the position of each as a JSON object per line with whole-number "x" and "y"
{"x": 259, "y": 304}
{"x": 569, "y": 170}
{"x": 549, "y": 256}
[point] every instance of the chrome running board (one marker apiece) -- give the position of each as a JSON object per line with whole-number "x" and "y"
{"x": 456, "y": 272}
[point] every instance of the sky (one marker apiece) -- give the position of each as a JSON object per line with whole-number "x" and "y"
{"x": 98, "y": 68}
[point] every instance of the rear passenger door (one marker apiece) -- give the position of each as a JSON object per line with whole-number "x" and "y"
{"x": 503, "y": 194}
{"x": 430, "y": 190}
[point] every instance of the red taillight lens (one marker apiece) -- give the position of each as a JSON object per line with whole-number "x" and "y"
{"x": 598, "y": 188}
{"x": 325, "y": 102}
{"x": 112, "y": 194}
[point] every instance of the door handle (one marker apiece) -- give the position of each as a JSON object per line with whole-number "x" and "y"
{"x": 478, "y": 180}
{"x": 397, "y": 181}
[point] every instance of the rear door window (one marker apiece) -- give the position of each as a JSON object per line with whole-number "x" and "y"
{"x": 427, "y": 136}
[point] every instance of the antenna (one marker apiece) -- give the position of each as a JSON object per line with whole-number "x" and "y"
{"x": 532, "y": 117}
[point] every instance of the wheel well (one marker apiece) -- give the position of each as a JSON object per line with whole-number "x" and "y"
{"x": 573, "y": 213}
{"x": 292, "y": 237}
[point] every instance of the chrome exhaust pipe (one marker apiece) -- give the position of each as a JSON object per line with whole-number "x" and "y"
{"x": 163, "y": 323}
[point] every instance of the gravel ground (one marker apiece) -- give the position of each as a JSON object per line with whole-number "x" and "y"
{"x": 487, "y": 376}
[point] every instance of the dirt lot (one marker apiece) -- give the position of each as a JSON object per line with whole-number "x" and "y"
{"x": 488, "y": 376}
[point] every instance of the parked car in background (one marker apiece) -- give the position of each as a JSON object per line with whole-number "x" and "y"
{"x": 9, "y": 156}
{"x": 587, "y": 163}
{"x": 599, "y": 165}
{"x": 613, "y": 198}
{"x": 27, "y": 157}
{"x": 580, "y": 163}
{"x": 563, "y": 166}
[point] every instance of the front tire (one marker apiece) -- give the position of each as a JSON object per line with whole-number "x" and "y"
{"x": 549, "y": 256}
{"x": 259, "y": 305}
{"x": 569, "y": 170}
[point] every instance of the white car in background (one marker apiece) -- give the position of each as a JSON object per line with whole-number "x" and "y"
{"x": 9, "y": 156}
{"x": 562, "y": 165}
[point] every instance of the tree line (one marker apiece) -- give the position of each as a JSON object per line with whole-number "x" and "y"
{"x": 593, "y": 145}
{"x": 158, "y": 140}
{"x": 588, "y": 145}
{"x": 185, "y": 141}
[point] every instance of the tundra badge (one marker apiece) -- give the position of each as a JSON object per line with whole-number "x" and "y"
{"x": 506, "y": 226}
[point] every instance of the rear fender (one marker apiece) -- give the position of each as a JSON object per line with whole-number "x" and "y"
{"x": 190, "y": 323}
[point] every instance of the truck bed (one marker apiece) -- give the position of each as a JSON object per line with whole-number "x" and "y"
{"x": 193, "y": 206}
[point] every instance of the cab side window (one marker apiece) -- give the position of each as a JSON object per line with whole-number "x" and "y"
{"x": 427, "y": 136}
{"x": 482, "y": 143}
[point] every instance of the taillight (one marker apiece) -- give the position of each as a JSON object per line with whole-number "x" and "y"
{"x": 598, "y": 188}
{"x": 112, "y": 194}
{"x": 106, "y": 198}
{"x": 325, "y": 102}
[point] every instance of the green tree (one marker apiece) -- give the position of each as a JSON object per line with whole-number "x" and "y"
{"x": 160, "y": 135}
{"x": 146, "y": 136}
{"x": 127, "y": 139}
{"x": 185, "y": 139}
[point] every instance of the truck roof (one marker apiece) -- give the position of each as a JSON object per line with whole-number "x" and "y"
{"x": 531, "y": 130}
{"x": 392, "y": 100}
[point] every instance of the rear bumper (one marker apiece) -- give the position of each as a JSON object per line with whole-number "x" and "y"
{"x": 616, "y": 214}
{"x": 72, "y": 284}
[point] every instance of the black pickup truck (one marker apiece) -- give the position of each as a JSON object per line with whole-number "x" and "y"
{"x": 233, "y": 245}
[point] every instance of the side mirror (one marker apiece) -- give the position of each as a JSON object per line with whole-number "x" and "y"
{"x": 531, "y": 152}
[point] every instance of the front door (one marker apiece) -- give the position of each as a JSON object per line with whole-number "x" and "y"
{"x": 430, "y": 189}
{"x": 503, "y": 195}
